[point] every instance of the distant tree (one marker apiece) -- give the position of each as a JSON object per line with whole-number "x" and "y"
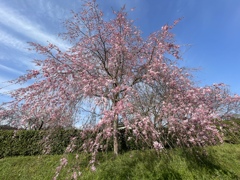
{"x": 14, "y": 117}
{"x": 7, "y": 117}
{"x": 123, "y": 78}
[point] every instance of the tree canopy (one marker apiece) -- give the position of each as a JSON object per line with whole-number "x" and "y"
{"x": 125, "y": 79}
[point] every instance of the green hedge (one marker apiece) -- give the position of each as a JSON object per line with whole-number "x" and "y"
{"x": 31, "y": 142}
{"x": 60, "y": 138}
{"x": 15, "y": 143}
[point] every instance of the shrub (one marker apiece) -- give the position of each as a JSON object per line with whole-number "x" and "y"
{"x": 19, "y": 142}
{"x": 31, "y": 142}
{"x": 231, "y": 130}
{"x": 59, "y": 138}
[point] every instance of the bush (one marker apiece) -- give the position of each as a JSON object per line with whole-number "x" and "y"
{"x": 30, "y": 142}
{"x": 59, "y": 139}
{"x": 231, "y": 130}
{"x": 55, "y": 141}
{"x": 21, "y": 142}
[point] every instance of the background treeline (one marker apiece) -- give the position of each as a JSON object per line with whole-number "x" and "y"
{"x": 56, "y": 141}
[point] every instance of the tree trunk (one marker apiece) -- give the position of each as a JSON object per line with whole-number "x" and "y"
{"x": 115, "y": 136}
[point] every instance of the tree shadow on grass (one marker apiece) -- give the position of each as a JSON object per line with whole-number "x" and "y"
{"x": 158, "y": 166}
{"x": 200, "y": 159}
{"x": 138, "y": 165}
{"x": 170, "y": 173}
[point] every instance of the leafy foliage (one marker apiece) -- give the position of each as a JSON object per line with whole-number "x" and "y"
{"x": 15, "y": 143}
{"x": 29, "y": 142}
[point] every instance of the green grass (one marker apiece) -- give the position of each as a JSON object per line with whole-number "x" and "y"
{"x": 221, "y": 162}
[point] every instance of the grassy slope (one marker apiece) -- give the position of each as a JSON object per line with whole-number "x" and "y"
{"x": 222, "y": 162}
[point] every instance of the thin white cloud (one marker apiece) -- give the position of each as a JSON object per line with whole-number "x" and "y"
{"x": 19, "y": 63}
{"x": 6, "y": 87}
{"x": 53, "y": 11}
{"x": 13, "y": 42}
{"x": 10, "y": 69}
{"x": 23, "y": 25}
{"x": 28, "y": 63}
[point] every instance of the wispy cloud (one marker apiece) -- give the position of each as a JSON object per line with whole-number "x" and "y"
{"x": 53, "y": 11}
{"x": 6, "y": 68}
{"x": 6, "y": 87}
{"x": 17, "y": 62}
{"x": 24, "y": 26}
{"x": 13, "y": 42}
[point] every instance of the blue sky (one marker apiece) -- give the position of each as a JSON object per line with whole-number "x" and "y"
{"x": 209, "y": 33}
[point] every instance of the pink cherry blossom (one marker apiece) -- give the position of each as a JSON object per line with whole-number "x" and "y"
{"x": 112, "y": 75}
